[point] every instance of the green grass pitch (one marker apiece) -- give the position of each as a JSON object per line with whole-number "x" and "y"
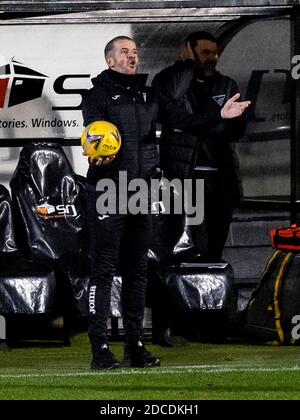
{"x": 193, "y": 372}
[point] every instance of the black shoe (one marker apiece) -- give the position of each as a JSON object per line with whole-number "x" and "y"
{"x": 103, "y": 358}
{"x": 136, "y": 355}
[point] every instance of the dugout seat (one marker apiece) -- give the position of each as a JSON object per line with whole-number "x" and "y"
{"x": 27, "y": 288}
{"x": 48, "y": 206}
{"x": 188, "y": 295}
{"x": 49, "y": 214}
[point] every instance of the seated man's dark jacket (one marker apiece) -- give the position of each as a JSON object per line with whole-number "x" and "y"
{"x": 134, "y": 108}
{"x": 180, "y": 152}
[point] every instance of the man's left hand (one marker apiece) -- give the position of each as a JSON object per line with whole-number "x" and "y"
{"x": 233, "y": 109}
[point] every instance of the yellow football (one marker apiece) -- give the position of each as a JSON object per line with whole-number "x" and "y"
{"x": 100, "y": 138}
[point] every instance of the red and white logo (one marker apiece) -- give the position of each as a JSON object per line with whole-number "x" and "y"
{"x": 19, "y": 84}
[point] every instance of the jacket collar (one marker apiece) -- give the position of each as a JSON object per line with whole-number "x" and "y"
{"x": 105, "y": 79}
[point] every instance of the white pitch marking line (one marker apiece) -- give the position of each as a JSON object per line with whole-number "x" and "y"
{"x": 175, "y": 370}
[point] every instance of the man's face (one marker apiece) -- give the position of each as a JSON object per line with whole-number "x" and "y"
{"x": 124, "y": 58}
{"x": 206, "y": 55}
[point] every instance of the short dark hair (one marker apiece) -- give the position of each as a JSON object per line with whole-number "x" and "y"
{"x": 197, "y": 36}
{"x": 111, "y": 44}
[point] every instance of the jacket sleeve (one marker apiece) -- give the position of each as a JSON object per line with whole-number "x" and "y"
{"x": 171, "y": 85}
{"x": 92, "y": 108}
{"x": 174, "y": 117}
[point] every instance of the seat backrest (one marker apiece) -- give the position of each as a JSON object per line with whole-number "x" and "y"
{"x": 48, "y": 205}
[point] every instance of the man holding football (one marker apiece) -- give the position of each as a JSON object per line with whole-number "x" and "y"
{"x": 120, "y": 240}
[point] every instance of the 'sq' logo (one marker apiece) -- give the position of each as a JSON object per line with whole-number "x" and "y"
{"x": 19, "y": 84}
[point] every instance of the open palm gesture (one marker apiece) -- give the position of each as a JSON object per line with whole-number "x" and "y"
{"x": 232, "y": 108}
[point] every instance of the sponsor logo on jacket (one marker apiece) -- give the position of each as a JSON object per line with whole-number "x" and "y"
{"x": 219, "y": 99}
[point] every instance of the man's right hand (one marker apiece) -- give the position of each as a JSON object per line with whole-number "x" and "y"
{"x": 185, "y": 52}
{"x": 233, "y": 109}
{"x": 101, "y": 160}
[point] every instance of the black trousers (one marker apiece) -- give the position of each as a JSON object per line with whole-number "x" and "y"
{"x": 210, "y": 236}
{"x": 119, "y": 244}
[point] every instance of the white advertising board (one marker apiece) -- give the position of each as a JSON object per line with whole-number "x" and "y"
{"x": 44, "y": 71}
{"x": 45, "y": 68}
